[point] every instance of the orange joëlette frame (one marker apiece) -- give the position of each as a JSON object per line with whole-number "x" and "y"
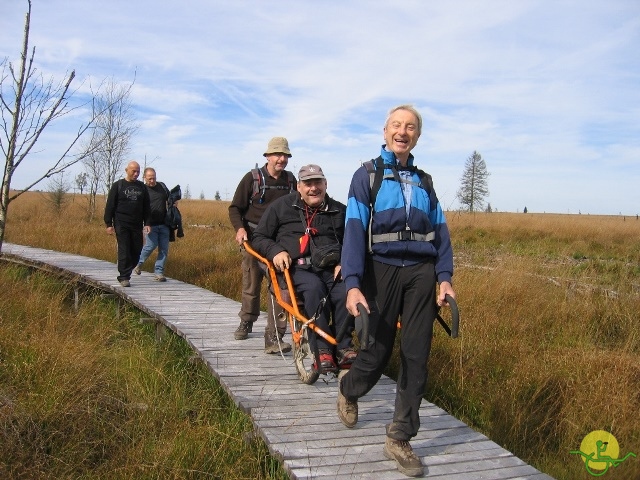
{"x": 291, "y": 308}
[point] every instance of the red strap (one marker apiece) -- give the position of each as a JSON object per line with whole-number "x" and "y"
{"x": 304, "y": 239}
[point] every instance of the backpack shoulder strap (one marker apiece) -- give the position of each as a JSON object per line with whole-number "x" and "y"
{"x": 426, "y": 180}
{"x": 166, "y": 190}
{"x": 168, "y": 193}
{"x": 292, "y": 182}
{"x": 258, "y": 183}
{"x": 375, "y": 168}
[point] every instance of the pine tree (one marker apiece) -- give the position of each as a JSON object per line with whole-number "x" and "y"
{"x": 474, "y": 185}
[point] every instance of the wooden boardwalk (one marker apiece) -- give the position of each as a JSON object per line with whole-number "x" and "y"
{"x": 297, "y": 421}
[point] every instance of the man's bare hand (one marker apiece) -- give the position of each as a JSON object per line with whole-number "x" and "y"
{"x": 282, "y": 261}
{"x": 241, "y": 236}
{"x": 445, "y": 289}
{"x": 354, "y": 297}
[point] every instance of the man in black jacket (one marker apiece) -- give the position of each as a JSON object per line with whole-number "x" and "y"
{"x": 292, "y": 231}
{"x": 128, "y": 214}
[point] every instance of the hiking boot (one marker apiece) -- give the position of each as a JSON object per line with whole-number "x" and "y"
{"x": 243, "y": 330}
{"x": 125, "y": 283}
{"x": 346, "y": 357}
{"x": 271, "y": 344}
{"x": 160, "y": 278}
{"x": 347, "y": 409}
{"x": 406, "y": 461}
{"x": 138, "y": 269}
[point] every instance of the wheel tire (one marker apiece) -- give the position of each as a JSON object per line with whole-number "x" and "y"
{"x": 304, "y": 358}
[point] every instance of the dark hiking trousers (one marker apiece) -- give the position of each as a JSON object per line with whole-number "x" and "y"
{"x": 312, "y": 285}
{"x": 130, "y": 240}
{"x": 391, "y": 292}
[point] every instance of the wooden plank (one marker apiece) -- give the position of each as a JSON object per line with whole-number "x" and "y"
{"x": 297, "y": 421}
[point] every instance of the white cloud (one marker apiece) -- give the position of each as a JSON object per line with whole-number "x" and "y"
{"x": 545, "y": 91}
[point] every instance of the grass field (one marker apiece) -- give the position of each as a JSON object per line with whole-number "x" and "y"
{"x": 550, "y": 345}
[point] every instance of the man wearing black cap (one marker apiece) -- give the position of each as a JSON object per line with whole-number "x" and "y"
{"x": 303, "y": 232}
{"x": 257, "y": 189}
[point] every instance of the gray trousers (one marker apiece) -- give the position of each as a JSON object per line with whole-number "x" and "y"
{"x": 252, "y": 275}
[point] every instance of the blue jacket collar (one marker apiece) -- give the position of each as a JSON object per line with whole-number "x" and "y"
{"x": 389, "y": 158}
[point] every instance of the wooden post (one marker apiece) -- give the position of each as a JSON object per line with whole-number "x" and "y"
{"x": 76, "y": 298}
{"x": 161, "y": 330}
{"x": 118, "y": 302}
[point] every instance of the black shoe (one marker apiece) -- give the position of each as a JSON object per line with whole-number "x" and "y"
{"x": 243, "y": 330}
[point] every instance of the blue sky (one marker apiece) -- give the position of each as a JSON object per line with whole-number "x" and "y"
{"x": 547, "y": 91}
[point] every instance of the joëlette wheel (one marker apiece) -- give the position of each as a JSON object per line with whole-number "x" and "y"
{"x": 304, "y": 359}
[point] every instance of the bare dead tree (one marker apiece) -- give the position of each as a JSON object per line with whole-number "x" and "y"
{"x": 29, "y": 104}
{"x": 110, "y": 139}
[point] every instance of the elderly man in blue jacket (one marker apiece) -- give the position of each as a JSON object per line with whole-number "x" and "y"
{"x": 394, "y": 253}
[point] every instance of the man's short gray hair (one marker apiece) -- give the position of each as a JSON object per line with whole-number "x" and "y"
{"x": 409, "y": 108}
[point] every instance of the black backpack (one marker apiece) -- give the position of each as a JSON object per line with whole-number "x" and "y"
{"x": 376, "y": 175}
{"x": 259, "y": 185}
{"x": 173, "y": 219}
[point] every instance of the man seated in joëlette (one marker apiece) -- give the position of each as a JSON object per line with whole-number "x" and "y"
{"x": 303, "y": 231}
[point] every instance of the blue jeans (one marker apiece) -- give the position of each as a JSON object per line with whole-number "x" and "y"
{"x": 157, "y": 238}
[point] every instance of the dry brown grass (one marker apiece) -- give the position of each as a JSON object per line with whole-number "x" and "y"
{"x": 550, "y": 341}
{"x": 88, "y": 395}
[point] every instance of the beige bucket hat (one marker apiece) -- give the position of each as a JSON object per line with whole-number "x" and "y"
{"x": 278, "y": 145}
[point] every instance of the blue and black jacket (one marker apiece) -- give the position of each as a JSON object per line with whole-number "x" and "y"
{"x": 389, "y": 216}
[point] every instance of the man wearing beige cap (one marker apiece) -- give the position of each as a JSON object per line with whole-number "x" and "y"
{"x": 257, "y": 189}
{"x": 303, "y": 232}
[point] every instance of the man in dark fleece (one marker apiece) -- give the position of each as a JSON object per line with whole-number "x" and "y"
{"x": 128, "y": 214}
